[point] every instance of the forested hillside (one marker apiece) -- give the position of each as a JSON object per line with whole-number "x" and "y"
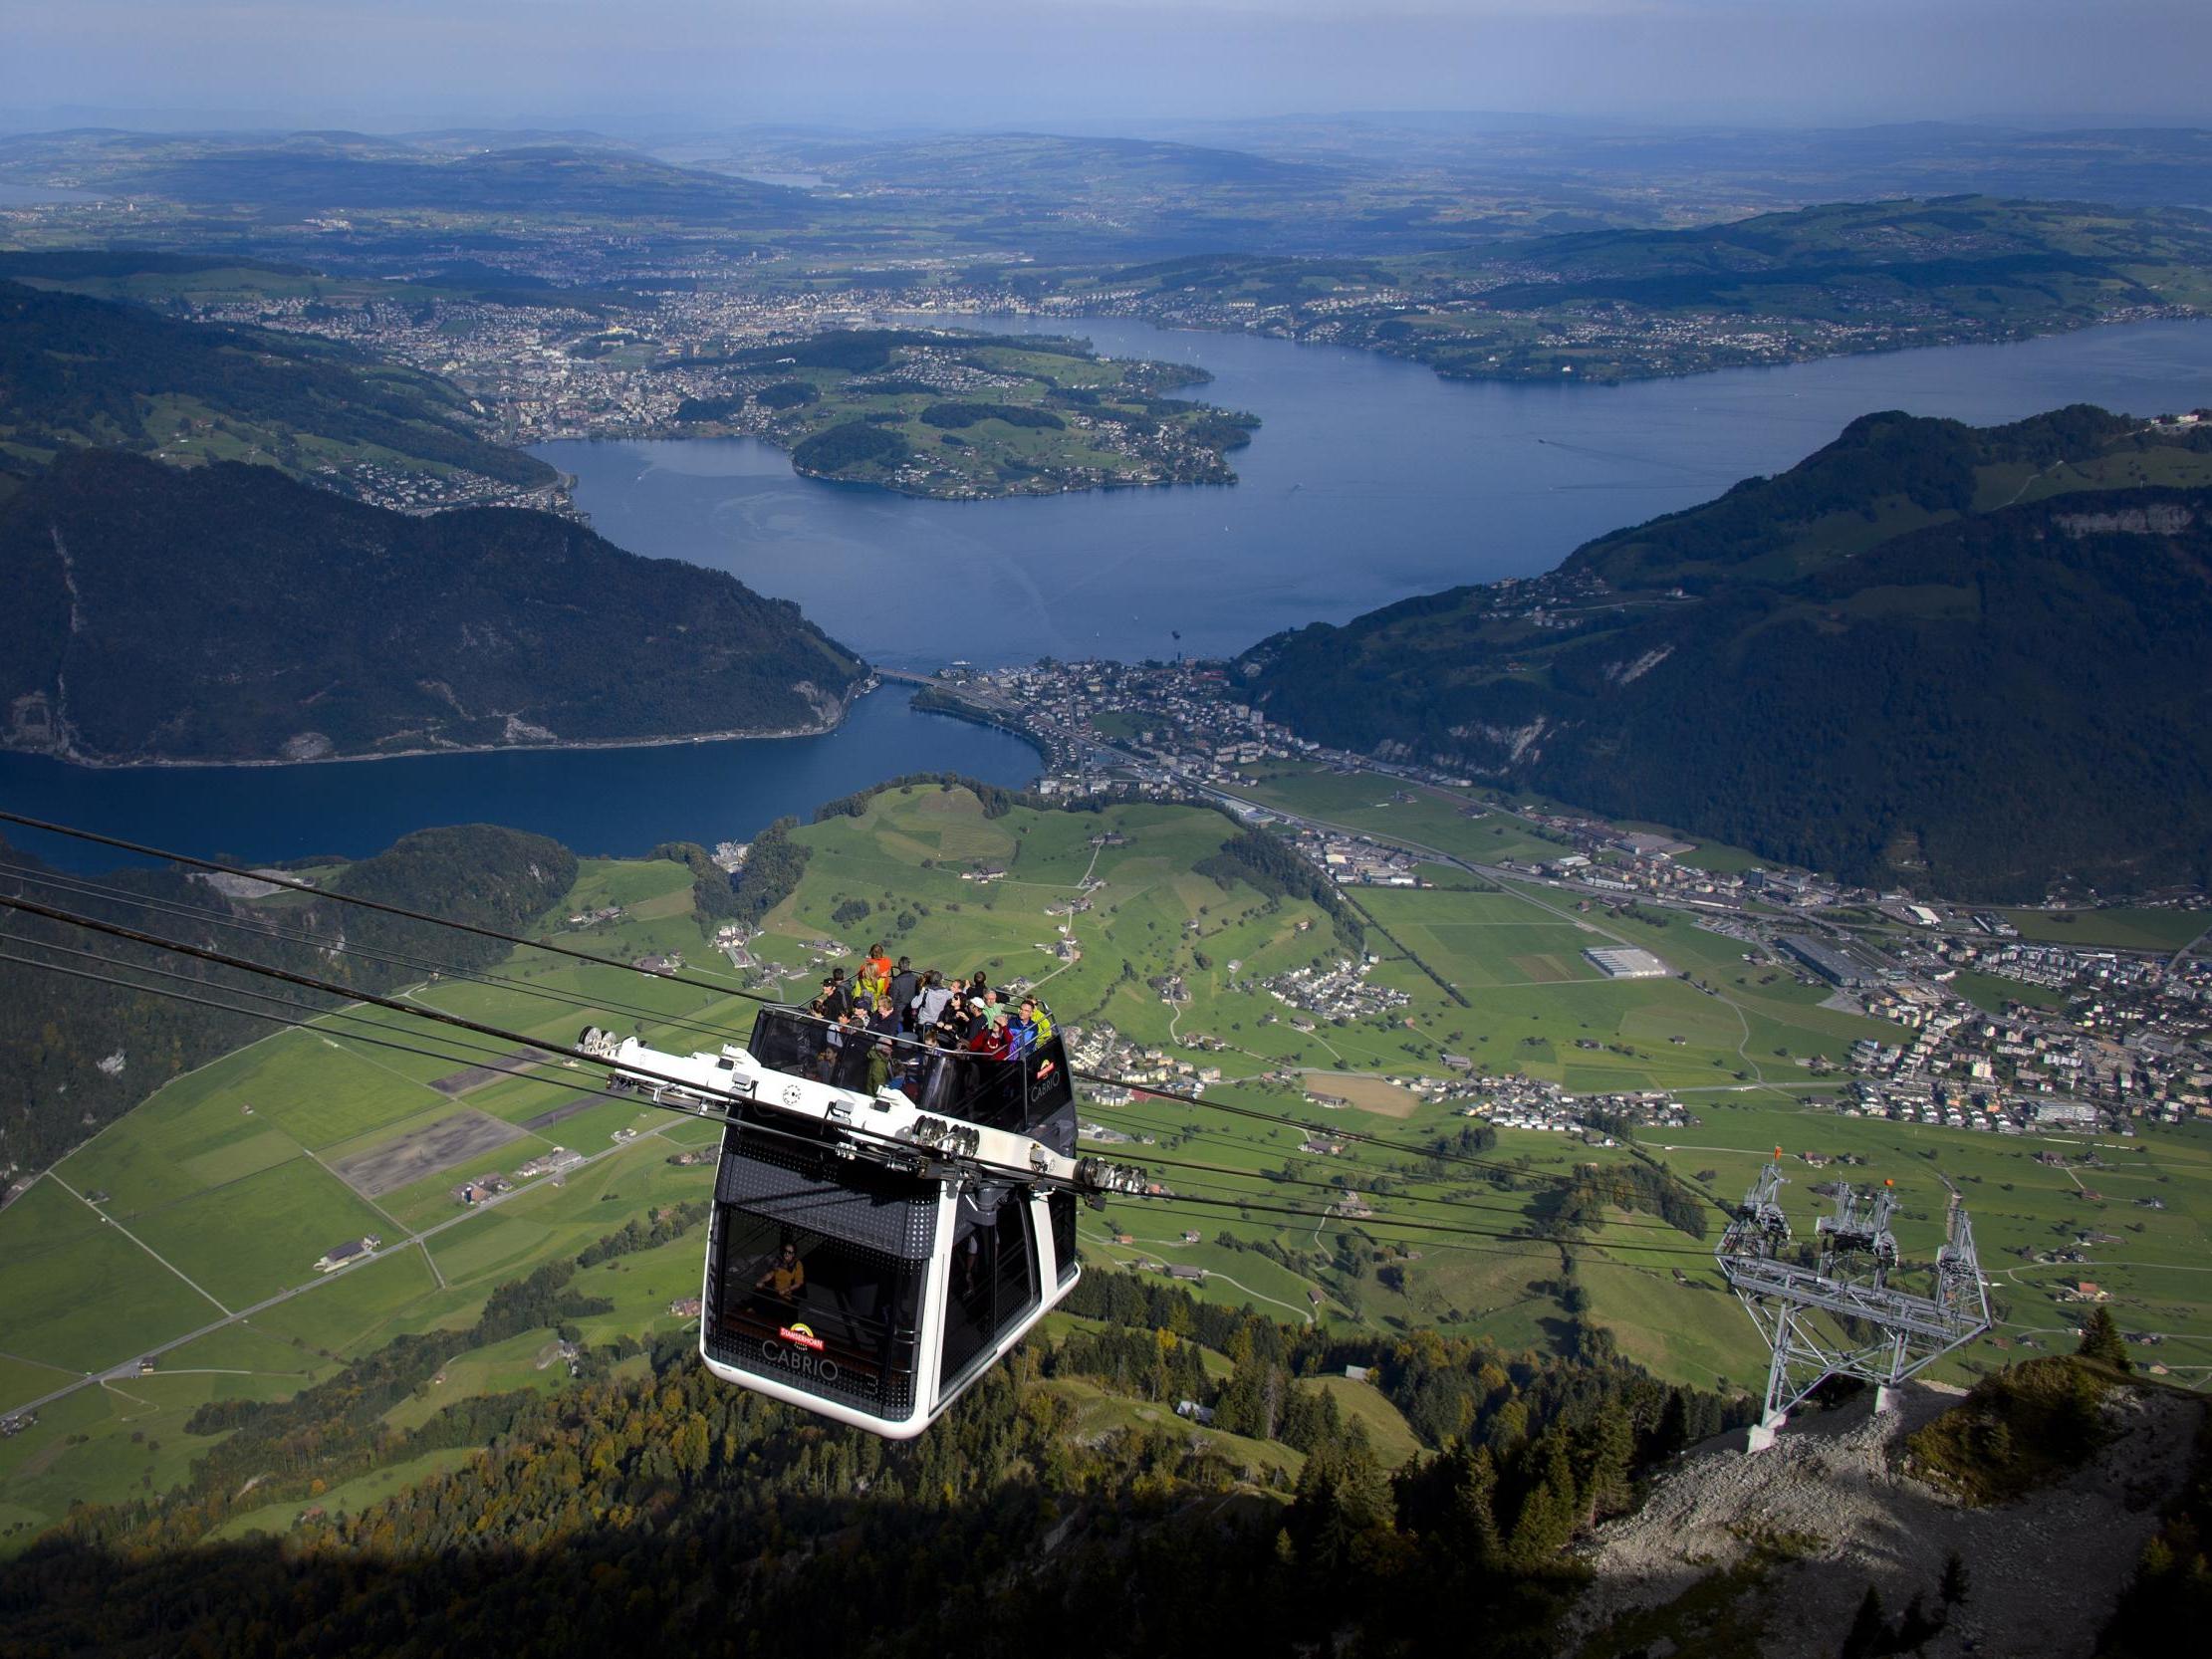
{"x": 81, "y": 373}
{"x": 669, "y": 1510}
{"x": 228, "y": 613}
{"x": 1967, "y": 659}
{"x": 77, "y": 1053}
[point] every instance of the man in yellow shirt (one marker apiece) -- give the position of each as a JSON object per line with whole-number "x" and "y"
{"x": 785, "y": 1276}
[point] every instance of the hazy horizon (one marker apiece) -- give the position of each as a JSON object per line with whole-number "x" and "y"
{"x": 665, "y": 65}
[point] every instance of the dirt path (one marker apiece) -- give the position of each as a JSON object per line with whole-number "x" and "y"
{"x": 132, "y": 1237}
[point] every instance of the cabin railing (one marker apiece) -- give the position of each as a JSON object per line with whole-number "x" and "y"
{"x": 1021, "y": 1094}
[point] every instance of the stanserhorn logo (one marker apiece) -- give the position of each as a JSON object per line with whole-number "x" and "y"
{"x": 799, "y": 1336}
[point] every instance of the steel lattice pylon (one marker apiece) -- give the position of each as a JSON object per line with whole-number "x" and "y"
{"x": 1842, "y": 1316}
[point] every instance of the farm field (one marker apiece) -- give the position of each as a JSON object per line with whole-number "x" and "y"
{"x": 1455, "y": 821}
{"x": 2166, "y": 930}
{"x": 203, "y": 1210}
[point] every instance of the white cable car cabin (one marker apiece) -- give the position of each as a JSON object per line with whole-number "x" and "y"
{"x": 870, "y": 1256}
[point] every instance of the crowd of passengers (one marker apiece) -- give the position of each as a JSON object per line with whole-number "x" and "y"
{"x": 907, "y": 1017}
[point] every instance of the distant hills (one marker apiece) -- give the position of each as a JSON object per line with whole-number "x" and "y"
{"x": 230, "y": 613}
{"x": 1972, "y": 660}
{"x": 84, "y": 373}
{"x": 1633, "y": 304}
{"x": 280, "y": 175}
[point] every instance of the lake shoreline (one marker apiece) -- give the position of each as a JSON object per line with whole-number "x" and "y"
{"x": 822, "y": 728}
{"x": 1369, "y": 480}
{"x": 604, "y": 799}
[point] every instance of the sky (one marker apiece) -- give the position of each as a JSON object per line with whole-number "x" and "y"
{"x": 645, "y": 65}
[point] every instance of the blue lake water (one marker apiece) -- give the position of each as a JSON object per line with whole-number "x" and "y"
{"x": 617, "y": 801}
{"x": 1369, "y": 480}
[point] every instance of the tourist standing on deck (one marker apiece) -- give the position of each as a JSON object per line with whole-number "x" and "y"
{"x": 905, "y": 985}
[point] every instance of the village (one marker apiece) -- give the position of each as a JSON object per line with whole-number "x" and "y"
{"x": 2133, "y": 1037}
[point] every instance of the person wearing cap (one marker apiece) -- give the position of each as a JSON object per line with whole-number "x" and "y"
{"x": 880, "y": 1066}
{"x": 993, "y": 1039}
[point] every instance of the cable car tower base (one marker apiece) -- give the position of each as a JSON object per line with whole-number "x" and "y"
{"x": 1843, "y": 1318}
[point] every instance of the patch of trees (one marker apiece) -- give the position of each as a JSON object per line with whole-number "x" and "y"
{"x": 856, "y": 350}
{"x": 335, "y": 1429}
{"x": 1578, "y": 1204}
{"x": 786, "y": 394}
{"x": 2016, "y": 1429}
{"x": 713, "y": 889}
{"x": 663, "y": 1226}
{"x": 772, "y": 871}
{"x": 1221, "y": 428}
{"x": 960, "y": 416}
{"x": 996, "y": 801}
{"x": 711, "y": 408}
{"x": 852, "y": 443}
{"x": 1262, "y": 860}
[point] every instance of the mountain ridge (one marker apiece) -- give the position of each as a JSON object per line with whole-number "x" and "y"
{"x": 1926, "y": 653}
{"x": 84, "y": 373}
{"x": 229, "y": 614}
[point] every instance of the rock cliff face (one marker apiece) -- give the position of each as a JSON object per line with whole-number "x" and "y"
{"x": 1779, "y": 1547}
{"x": 230, "y": 613}
{"x": 1965, "y": 660}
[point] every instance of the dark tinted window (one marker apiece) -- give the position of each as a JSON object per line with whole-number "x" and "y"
{"x": 992, "y": 1283}
{"x": 1062, "y": 1207}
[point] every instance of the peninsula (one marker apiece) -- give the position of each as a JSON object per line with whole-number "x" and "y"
{"x": 962, "y": 415}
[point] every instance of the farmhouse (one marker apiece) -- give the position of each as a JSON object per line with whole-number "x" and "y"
{"x": 353, "y": 1250}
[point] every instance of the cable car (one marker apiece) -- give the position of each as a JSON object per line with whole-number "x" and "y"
{"x": 872, "y": 1253}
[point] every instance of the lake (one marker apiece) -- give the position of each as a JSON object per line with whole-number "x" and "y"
{"x": 1368, "y": 481}
{"x": 620, "y": 800}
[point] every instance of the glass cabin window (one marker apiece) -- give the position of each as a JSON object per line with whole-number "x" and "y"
{"x": 1061, "y": 1206}
{"x": 822, "y": 1313}
{"x": 992, "y": 1283}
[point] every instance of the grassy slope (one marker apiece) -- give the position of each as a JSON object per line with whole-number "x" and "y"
{"x": 240, "y": 1201}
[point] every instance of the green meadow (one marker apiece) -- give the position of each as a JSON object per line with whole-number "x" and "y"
{"x": 204, "y": 1210}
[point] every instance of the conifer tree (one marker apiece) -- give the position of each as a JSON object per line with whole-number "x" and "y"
{"x": 2101, "y": 1340}
{"x": 1869, "y": 1631}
